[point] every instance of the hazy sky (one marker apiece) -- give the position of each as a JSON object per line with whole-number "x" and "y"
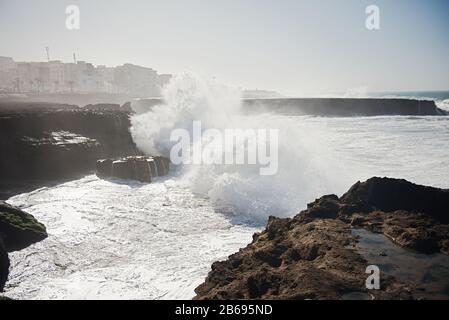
{"x": 292, "y": 46}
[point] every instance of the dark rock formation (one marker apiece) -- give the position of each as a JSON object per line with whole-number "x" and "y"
{"x": 311, "y": 256}
{"x": 103, "y": 107}
{"x": 331, "y": 107}
{"x": 18, "y": 230}
{"x": 134, "y": 168}
{"x": 343, "y": 107}
{"x": 4, "y": 265}
{"x": 393, "y": 194}
{"x": 44, "y": 141}
{"x": 127, "y": 107}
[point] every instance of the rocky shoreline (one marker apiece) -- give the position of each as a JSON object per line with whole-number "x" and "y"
{"x": 40, "y": 142}
{"x": 313, "y": 256}
{"x": 310, "y": 256}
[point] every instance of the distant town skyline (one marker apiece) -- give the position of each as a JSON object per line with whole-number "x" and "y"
{"x": 78, "y": 76}
{"x": 295, "y": 47}
{"x": 55, "y": 76}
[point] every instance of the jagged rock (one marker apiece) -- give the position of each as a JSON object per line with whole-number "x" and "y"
{"x": 303, "y": 259}
{"x": 311, "y": 255}
{"x": 134, "y": 168}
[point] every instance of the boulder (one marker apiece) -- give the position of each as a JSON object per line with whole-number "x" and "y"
{"x": 133, "y": 168}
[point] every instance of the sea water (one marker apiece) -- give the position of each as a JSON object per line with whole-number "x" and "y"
{"x": 111, "y": 239}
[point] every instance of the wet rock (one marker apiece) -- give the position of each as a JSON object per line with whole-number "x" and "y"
{"x": 357, "y": 221}
{"x": 4, "y": 265}
{"x": 104, "y": 167}
{"x": 304, "y": 260}
{"x": 312, "y": 256}
{"x": 133, "y": 168}
{"x": 19, "y": 229}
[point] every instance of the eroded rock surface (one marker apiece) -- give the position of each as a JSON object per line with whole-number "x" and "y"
{"x": 312, "y": 256}
{"x": 19, "y": 229}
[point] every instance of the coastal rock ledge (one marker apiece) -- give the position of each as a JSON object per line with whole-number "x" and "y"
{"x": 313, "y": 255}
{"x": 140, "y": 168}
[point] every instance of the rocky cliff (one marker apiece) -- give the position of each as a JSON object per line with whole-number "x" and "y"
{"x": 50, "y": 141}
{"x": 313, "y": 255}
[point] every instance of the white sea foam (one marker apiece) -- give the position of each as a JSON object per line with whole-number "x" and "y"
{"x": 121, "y": 239}
{"x": 444, "y": 104}
{"x": 306, "y": 166}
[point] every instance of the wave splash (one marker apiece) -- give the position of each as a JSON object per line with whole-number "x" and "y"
{"x": 444, "y": 104}
{"x": 307, "y": 167}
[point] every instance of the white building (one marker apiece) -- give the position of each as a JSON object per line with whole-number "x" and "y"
{"x": 81, "y": 77}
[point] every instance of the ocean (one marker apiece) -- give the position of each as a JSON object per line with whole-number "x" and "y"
{"x": 111, "y": 239}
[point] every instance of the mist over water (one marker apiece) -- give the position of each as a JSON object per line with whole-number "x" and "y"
{"x": 443, "y": 104}
{"x": 125, "y": 239}
{"x": 306, "y": 166}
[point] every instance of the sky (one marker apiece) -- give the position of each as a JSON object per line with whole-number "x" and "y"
{"x": 295, "y": 47}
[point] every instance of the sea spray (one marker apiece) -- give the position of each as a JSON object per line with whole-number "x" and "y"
{"x": 306, "y": 169}
{"x": 444, "y": 104}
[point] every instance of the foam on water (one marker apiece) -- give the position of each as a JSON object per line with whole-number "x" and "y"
{"x": 312, "y": 151}
{"x": 306, "y": 168}
{"x": 121, "y": 239}
{"x": 443, "y": 104}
